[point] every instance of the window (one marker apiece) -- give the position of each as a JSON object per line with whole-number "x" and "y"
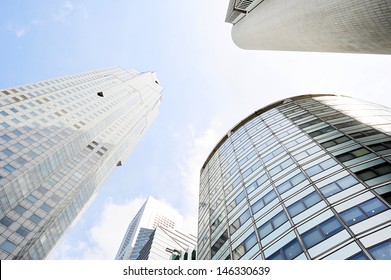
{"x": 321, "y": 232}
{"x": 294, "y": 181}
{"x": 338, "y": 186}
{"x": 321, "y": 131}
{"x": 310, "y": 123}
{"x": 288, "y": 252}
{"x": 380, "y": 146}
{"x": 335, "y": 141}
{"x": 22, "y": 231}
{"x": 20, "y": 209}
{"x": 304, "y": 203}
{"x": 245, "y": 246}
{"x": 46, "y": 207}
{"x": 263, "y": 201}
{"x": 8, "y": 246}
{"x": 31, "y": 198}
{"x": 316, "y": 169}
{"x": 9, "y": 168}
{"x": 381, "y": 251}
{"x": 6, "y": 221}
{"x": 363, "y": 211}
{"x": 6, "y": 137}
{"x": 365, "y": 133}
{"x": 359, "y": 256}
{"x": 353, "y": 154}
{"x": 272, "y": 224}
{"x": 374, "y": 171}
{"x": 257, "y": 183}
{"x": 35, "y": 219}
{"x": 7, "y": 152}
{"x": 239, "y": 221}
{"x": 219, "y": 243}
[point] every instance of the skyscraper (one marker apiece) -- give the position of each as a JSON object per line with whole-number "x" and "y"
{"x": 308, "y": 177}
{"x": 151, "y": 215}
{"x": 313, "y": 25}
{"x": 59, "y": 140}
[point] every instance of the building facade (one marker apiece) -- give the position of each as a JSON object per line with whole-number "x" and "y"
{"x": 169, "y": 244}
{"x": 308, "y": 177}
{"x": 59, "y": 140}
{"x": 151, "y": 215}
{"x": 315, "y": 25}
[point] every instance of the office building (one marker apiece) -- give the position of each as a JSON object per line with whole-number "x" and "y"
{"x": 59, "y": 140}
{"x": 308, "y": 177}
{"x": 315, "y": 25}
{"x": 169, "y": 244}
{"x": 151, "y": 215}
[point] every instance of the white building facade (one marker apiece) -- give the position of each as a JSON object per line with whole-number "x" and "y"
{"x": 307, "y": 177}
{"x": 317, "y": 25}
{"x": 59, "y": 140}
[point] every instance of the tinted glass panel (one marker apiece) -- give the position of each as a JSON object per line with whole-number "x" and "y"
{"x": 381, "y": 251}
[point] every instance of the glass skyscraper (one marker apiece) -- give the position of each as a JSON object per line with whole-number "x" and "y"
{"x": 59, "y": 140}
{"x": 308, "y": 177}
{"x": 312, "y": 25}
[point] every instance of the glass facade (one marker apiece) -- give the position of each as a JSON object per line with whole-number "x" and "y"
{"x": 59, "y": 140}
{"x": 307, "y": 177}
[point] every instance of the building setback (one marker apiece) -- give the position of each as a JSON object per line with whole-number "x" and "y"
{"x": 308, "y": 177}
{"x": 347, "y": 26}
{"x": 59, "y": 140}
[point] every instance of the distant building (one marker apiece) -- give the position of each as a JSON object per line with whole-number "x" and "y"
{"x": 59, "y": 140}
{"x": 346, "y": 26}
{"x": 308, "y": 177}
{"x": 151, "y": 215}
{"x": 165, "y": 244}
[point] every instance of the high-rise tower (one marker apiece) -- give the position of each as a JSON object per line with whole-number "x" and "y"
{"x": 312, "y": 25}
{"x": 308, "y": 177}
{"x": 151, "y": 215}
{"x": 59, "y": 140}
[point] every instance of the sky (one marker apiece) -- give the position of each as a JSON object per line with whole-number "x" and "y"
{"x": 209, "y": 86}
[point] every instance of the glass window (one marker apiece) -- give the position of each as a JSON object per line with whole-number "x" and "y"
{"x": 6, "y": 137}
{"x": 292, "y": 250}
{"x": 46, "y": 207}
{"x": 35, "y": 219}
{"x": 330, "y": 227}
{"x": 9, "y": 168}
{"x": 258, "y": 206}
{"x": 8, "y": 246}
{"x": 250, "y": 242}
{"x": 321, "y": 232}
{"x": 288, "y": 252}
{"x": 311, "y": 199}
{"x": 372, "y": 207}
{"x": 265, "y": 229}
{"x": 19, "y": 209}
{"x": 330, "y": 189}
{"x": 312, "y": 237}
{"x": 270, "y": 196}
{"x": 381, "y": 251}
{"x": 245, "y": 216}
{"x": 296, "y": 208}
{"x": 313, "y": 170}
{"x": 374, "y": 171}
{"x": 359, "y": 256}
{"x": 279, "y": 219}
{"x": 6, "y": 221}
{"x": 31, "y": 198}
{"x": 219, "y": 243}
{"x": 22, "y": 231}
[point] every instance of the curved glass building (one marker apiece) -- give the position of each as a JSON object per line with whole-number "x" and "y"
{"x": 307, "y": 177}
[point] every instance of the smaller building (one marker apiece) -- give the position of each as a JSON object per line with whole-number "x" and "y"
{"x": 169, "y": 244}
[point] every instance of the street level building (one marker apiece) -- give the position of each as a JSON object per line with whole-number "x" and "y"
{"x": 347, "y": 26}
{"x": 307, "y": 177}
{"x": 59, "y": 140}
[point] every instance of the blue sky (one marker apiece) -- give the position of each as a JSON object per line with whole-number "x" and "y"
{"x": 209, "y": 86}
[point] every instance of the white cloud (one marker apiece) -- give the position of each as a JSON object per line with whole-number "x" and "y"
{"x": 63, "y": 12}
{"x": 19, "y": 31}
